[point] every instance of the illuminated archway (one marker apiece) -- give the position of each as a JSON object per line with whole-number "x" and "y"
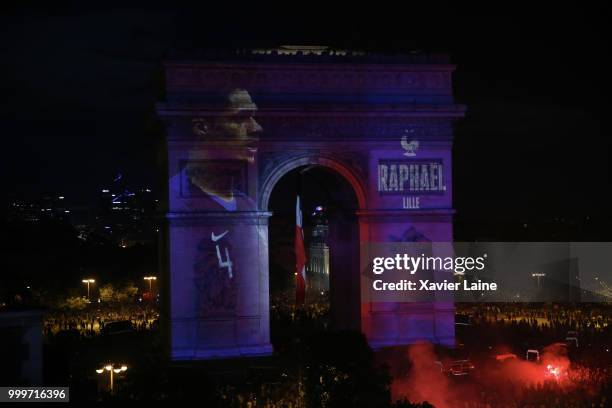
{"x": 312, "y": 160}
{"x": 237, "y": 124}
{"x": 322, "y": 188}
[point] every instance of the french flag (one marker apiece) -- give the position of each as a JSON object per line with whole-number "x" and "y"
{"x": 300, "y": 257}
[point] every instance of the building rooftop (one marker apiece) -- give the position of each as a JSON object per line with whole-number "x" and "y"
{"x": 304, "y": 53}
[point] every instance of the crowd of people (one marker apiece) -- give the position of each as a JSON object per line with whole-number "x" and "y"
{"x": 588, "y": 393}
{"x": 91, "y": 321}
{"x": 283, "y": 308}
{"x": 289, "y": 394}
{"x": 580, "y": 317}
{"x": 587, "y": 382}
{"x": 534, "y": 326}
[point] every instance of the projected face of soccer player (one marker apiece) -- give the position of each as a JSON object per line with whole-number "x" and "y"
{"x": 237, "y": 123}
{"x": 240, "y": 125}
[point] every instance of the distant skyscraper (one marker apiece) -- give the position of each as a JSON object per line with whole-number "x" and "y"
{"x": 318, "y": 254}
{"x": 126, "y": 216}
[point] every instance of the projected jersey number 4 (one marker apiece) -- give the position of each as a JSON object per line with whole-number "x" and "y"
{"x": 227, "y": 263}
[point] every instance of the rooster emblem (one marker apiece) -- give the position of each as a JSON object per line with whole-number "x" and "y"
{"x": 409, "y": 147}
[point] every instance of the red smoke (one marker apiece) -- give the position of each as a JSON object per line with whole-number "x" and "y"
{"x": 424, "y": 381}
{"x": 553, "y": 365}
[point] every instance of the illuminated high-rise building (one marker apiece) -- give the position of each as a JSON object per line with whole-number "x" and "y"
{"x": 318, "y": 254}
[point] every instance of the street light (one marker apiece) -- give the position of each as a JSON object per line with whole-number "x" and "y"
{"x": 111, "y": 369}
{"x": 150, "y": 279}
{"x": 88, "y": 281}
{"x": 538, "y": 275}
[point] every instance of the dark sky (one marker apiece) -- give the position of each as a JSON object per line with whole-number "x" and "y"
{"x": 78, "y": 88}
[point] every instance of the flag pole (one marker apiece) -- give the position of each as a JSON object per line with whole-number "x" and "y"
{"x": 300, "y": 251}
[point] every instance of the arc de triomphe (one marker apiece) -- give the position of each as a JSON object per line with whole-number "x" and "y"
{"x": 236, "y": 123}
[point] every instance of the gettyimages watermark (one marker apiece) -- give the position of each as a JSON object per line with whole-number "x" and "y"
{"x": 487, "y": 272}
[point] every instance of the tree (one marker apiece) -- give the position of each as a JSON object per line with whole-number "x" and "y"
{"x": 342, "y": 372}
{"x": 76, "y": 303}
{"x": 130, "y": 289}
{"x": 107, "y": 293}
{"x": 126, "y": 293}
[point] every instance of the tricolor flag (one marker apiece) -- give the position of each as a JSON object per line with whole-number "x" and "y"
{"x": 300, "y": 257}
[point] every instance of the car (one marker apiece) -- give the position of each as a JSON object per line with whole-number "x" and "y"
{"x": 506, "y": 357}
{"x": 461, "y": 367}
{"x": 118, "y": 327}
{"x": 532, "y": 355}
{"x": 571, "y": 342}
{"x": 463, "y": 320}
{"x": 456, "y": 367}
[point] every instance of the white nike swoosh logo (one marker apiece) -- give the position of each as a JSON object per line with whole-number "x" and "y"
{"x": 215, "y": 238}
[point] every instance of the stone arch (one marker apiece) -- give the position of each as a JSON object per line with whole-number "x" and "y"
{"x": 344, "y": 295}
{"x": 318, "y": 160}
{"x": 389, "y": 103}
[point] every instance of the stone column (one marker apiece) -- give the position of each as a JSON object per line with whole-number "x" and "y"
{"x": 217, "y": 251}
{"x": 219, "y": 311}
{"x": 401, "y": 323}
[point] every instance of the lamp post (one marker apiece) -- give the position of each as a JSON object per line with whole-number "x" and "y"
{"x": 150, "y": 279}
{"x": 111, "y": 369}
{"x": 538, "y": 275}
{"x": 88, "y": 281}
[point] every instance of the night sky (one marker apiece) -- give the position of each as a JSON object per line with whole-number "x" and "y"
{"x": 78, "y": 88}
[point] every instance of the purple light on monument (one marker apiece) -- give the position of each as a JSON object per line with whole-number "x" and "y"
{"x": 386, "y": 130}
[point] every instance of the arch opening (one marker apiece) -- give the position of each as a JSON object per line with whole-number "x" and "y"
{"x": 337, "y": 168}
{"x": 331, "y": 238}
